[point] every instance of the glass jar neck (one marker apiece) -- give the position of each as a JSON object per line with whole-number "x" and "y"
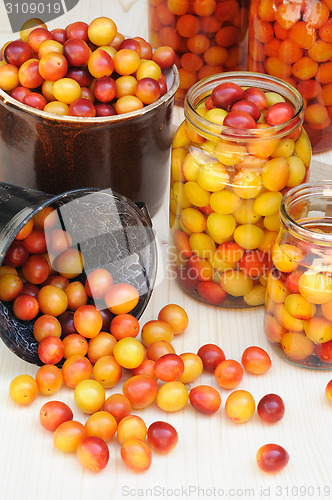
{"x": 202, "y": 89}
{"x": 306, "y": 214}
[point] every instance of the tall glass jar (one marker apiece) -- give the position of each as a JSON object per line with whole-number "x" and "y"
{"x": 292, "y": 40}
{"x": 208, "y": 36}
{"x": 298, "y": 310}
{"x": 226, "y": 189}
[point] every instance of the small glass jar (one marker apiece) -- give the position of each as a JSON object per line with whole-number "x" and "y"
{"x": 208, "y": 36}
{"x": 226, "y": 189}
{"x": 292, "y": 40}
{"x": 298, "y": 309}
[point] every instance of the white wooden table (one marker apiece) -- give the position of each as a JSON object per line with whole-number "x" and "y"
{"x": 214, "y": 458}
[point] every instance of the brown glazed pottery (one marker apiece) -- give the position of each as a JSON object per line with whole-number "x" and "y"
{"x": 128, "y": 153}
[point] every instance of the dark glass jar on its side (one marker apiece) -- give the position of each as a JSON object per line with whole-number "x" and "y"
{"x": 293, "y": 41}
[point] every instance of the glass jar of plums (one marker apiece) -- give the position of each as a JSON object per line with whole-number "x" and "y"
{"x": 298, "y": 310}
{"x": 208, "y": 36}
{"x": 292, "y": 40}
{"x": 240, "y": 148}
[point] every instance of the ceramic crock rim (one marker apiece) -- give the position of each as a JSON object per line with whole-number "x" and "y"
{"x": 5, "y": 98}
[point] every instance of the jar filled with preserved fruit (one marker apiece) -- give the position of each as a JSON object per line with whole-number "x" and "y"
{"x": 240, "y": 148}
{"x": 208, "y": 36}
{"x": 292, "y": 40}
{"x": 298, "y": 310}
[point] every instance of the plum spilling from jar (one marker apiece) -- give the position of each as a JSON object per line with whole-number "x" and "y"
{"x": 84, "y": 70}
{"x": 226, "y": 187}
{"x": 43, "y": 279}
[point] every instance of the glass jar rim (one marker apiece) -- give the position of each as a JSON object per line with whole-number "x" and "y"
{"x": 201, "y": 90}
{"x": 320, "y": 189}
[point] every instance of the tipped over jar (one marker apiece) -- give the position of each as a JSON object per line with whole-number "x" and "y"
{"x": 240, "y": 148}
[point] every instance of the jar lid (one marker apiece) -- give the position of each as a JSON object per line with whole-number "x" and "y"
{"x": 108, "y": 229}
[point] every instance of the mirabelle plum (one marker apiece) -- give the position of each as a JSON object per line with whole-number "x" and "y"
{"x": 297, "y": 346}
{"x": 136, "y": 454}
{"x": 23, "y": 390}
{"x": 131, "y": 427}
{"x": 267, "y": 203}
{"x": 248, "y": 236}
{"x": 255, "y": 360}
{"x": 247, "y": 183}
{"x": 228, "y": 374}
{"x": 212, "y": 176}
{"x": 276, "y": 289}
{"x": 193, "y": 367}
{"x": 224, "y": 202}
{"x": 193, "y": 220}
{"x": 328, "y": 391}
{"x": 175, "y": 316}
{"x": 172, "y": 396}
{"x": 240, "y": 406}
{"x": 319, "y": 330}
{"x": 315, "y": 288}
{"x": 272, "y": 458}
{"x": 205, "y": 399}
{"x": 89, "y": 396}
{"x": 274, "y": 331}
{"x": 236, "y": 283}
{"x": 286, "y": 257}
{"x": 298, "y": 307}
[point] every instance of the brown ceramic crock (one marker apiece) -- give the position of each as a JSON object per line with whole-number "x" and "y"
{"x": 128, "y": 153}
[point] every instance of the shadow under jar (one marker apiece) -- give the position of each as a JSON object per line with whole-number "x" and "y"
{"x": 208, "y": 36}
{"x": 226, "y": 188}
{"x": 298, "y": 310}
{"x": 293, "y": 41}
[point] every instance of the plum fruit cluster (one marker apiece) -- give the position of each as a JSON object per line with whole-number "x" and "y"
{"x": 83, "y": 70}
{"x": 233, "y": 159}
